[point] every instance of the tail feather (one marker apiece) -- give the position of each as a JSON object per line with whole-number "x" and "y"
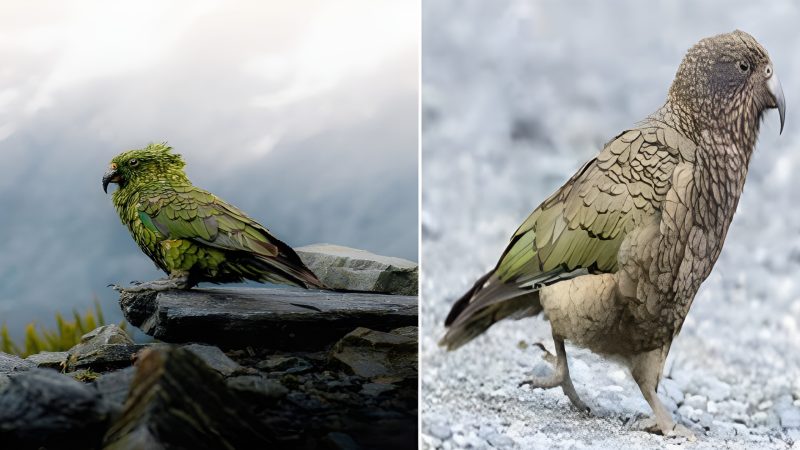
{"x": 289, "y": 272}
{"x": 487, "y": 302}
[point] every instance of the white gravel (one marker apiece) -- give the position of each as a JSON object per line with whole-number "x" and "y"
{"x": 516, "y": 96}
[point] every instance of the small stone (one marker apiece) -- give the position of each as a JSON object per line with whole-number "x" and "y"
{"x": 498, "y": 440}
{"x": 690, "y": 413}
{"x": 107, "y": 334}
{"x": 706, "y": 420}
{"x": 13, "y": 363}
{"x": 617, "y": 375}
{"x": 760, "y": 418}
{"x": 790, "y": 417}
{"x": 724, "y": 430}
{"x": 372, "y": 354}
{"x": 715, "y": 389}
{"x": 103, "y": 348}
{"x": 695, "y": 401}
{"x": 215, "y": 358}
{"x": 103, "y": 357}
{"x": 741, "y": 429}
{"x": 249, "y": 385}
{"x": 460, "y": 440}
{"x": 375, "y": 389}
{"x": 284, "y": 364}
{"x": 49, "y": 360}
{"x": 440, "y": 431}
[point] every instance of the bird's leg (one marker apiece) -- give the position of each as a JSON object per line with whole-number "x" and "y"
{"x": 174, "y": 281}
{"x": 560, "y": 376}
{"x": 646, "y": 370}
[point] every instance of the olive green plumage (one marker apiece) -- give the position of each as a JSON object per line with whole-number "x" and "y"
{"x": 615, "y": 257}
{"x": 190, "y": 233}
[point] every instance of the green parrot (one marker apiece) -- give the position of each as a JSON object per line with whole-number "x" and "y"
{"x": 191, "y": 234}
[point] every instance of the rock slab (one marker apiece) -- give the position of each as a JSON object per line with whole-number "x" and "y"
{"x": 375, "y": 354}
{"x": 13, "y": 363}
{"x": 43, "y": 408}
{"x": 177, "y": 401}
{"x": 264, "y": 317}
{"x": 359, "y": 270}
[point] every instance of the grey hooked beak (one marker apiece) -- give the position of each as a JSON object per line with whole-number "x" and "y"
{"x": 111, "y": 176}
{"x": 775, "y": 88}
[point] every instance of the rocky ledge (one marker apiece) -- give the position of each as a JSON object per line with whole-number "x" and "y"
{"x": 231, "y": 368}
{"x": 278, "y": 318}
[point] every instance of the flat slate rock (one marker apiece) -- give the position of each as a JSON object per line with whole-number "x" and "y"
{"x": 13, "y": 363}
{"x": 49, "y": 360}
{"x": 274, "y": 318}
{"x": 352, "y": 269}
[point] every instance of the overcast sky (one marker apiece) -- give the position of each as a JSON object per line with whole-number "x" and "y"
{"x": 302, "y": 113}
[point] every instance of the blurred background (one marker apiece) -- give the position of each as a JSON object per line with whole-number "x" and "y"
{"x": 302, "y": 114}
{"x": 516, "y": 96}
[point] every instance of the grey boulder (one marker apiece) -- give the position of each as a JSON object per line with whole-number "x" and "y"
{"x": 359, "y": 270}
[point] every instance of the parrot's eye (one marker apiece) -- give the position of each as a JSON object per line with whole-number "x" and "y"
{"x": 744, "y": 66}
{"x": 133, "y": 162}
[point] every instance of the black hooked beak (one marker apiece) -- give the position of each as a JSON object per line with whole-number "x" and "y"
{"x": 775, "y": 88}
{"x": 111, "y": 176}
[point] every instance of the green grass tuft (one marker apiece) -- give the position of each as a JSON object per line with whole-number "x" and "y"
{"x": 66, "y": 334}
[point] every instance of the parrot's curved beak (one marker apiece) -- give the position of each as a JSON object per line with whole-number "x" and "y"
{"x": 111, "y": 176}
{"x": 775, "y": 88}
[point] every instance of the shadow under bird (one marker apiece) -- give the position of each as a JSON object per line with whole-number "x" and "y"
{"x": 615, "y": 257}
{"x": 191, "y": 234}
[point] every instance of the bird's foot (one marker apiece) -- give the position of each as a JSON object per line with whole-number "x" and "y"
{"x": 646, "y": 424}
{"x": 543, "y": 382}
{"x": 681, "y": 431}
{"x": 164, "y": 284}
{"x": 560, "y": 377}
{"x": 669, "y": 430}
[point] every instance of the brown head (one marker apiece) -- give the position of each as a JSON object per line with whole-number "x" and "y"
{"x": 727, "y": 82}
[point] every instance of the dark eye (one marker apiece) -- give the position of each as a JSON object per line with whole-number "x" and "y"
{"x": 133, "y": 162}
{"x": 744, "y": 66}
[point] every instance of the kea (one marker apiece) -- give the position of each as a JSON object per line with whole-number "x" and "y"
{"x": 614, "y": 258}
{"x": 190, "y": 233}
